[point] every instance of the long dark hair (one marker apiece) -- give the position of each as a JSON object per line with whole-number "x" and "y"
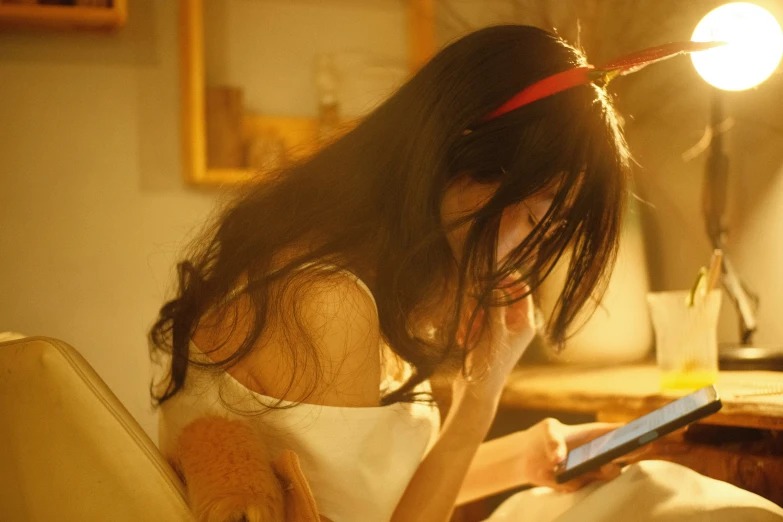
{"x": 373, "y": 198}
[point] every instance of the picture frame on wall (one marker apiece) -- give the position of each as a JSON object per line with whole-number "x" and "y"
{"x": 225, "y": 143}
{"x": 97, "y": 15}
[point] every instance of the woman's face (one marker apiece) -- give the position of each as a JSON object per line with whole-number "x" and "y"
{"x": 465, "y": 196}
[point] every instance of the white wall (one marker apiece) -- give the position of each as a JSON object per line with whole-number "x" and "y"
{"x": 92, "y": 202}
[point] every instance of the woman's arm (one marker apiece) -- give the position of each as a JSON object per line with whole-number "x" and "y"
{"x": 495, "y": 468}
{"x": 459, "y": 468}
{"x": 529, "y": 457}
{"x": 432, "y": 492}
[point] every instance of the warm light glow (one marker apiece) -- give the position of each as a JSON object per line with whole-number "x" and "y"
{"x": 754, "y": 46}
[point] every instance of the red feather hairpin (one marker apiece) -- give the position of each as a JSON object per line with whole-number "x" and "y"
{"x": 604, "y": 74}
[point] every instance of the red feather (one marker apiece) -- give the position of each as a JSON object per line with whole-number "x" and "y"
{"x": 583, "y": 75}
{"x": 635, "y": 61}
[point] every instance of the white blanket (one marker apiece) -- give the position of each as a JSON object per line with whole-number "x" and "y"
{"x": 645, "y": 492}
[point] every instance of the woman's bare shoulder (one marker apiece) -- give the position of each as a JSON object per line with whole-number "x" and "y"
{"x": 321, "y": 342}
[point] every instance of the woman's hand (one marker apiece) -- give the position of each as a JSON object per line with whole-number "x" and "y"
{"x": 529, "y": 457}
{"x": 547, "y": 443}
{"x": 506, "y": 334}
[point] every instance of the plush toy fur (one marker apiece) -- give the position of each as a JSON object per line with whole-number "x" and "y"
{"x": 230, "y": 476}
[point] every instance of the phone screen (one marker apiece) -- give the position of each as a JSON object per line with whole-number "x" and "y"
{"x": 633, "y": 430}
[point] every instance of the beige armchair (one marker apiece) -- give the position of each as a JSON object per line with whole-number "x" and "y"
{"x": 69, "y": 450}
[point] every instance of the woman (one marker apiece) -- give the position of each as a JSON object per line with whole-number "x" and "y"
{"x": 320, "y": 303}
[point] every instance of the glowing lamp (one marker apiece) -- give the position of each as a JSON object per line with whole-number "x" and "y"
{"x": 753, "y": 51}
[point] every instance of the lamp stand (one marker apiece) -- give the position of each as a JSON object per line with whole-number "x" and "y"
{"x": 745, "y": 355}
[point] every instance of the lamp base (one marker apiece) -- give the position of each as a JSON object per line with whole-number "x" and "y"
{"x": 750, "y": 357}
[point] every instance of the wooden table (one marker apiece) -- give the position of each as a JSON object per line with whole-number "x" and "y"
{"x": 742, "y": 444}
{"x": 617, "y": 392}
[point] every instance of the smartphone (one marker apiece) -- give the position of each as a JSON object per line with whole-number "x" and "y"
{"x": 639, "y": 432}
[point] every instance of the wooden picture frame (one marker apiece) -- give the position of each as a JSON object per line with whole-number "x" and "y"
{"x": 297, "y": 133}
{"x": 24, "y": 15}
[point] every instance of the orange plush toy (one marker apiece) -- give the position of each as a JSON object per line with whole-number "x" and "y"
{"x": 230, "y": 476}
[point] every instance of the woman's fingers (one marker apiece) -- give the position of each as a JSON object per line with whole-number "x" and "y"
{"x": 609, "y": 471}
{"x": 556, "y": 446}
{"x": 468, "y": 331}
{"x": 519, "y": 314}
{"x": 643, "y": 452}
{"x": 497, "y": 314}
{"x": 514, "y": 286}
{"x": 606, "y": 472}
{"x": 515, "y": 317}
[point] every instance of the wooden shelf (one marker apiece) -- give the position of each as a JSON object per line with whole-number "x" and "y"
{"x": 64, "y": 17}
{"x": 298, "y": 134}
